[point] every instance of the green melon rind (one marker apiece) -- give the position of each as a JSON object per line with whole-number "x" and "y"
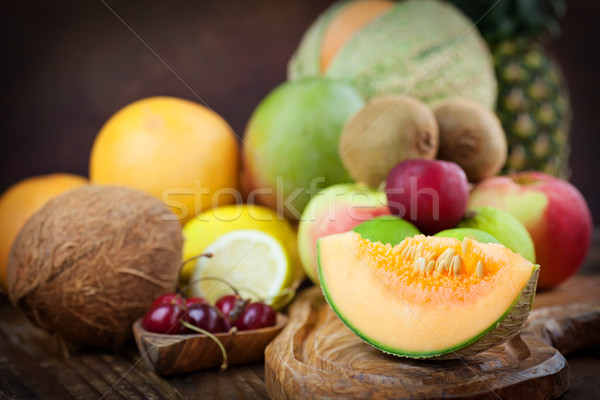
{"x": 306, "y": 60}
{"x": 504, "y": 329}
{"x": 442, "y": 55}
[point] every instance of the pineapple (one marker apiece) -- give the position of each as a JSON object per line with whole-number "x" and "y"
{"x": 533, "y": 106}
{"x": 533, "y": 101}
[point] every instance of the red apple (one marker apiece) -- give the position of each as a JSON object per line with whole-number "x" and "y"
{"x": 553, "y": 211}
{"x": 335, "y": 209}
{"x": 432, "y": 194}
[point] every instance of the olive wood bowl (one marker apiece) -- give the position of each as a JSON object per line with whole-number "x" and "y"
{"x": 170, "y": 354}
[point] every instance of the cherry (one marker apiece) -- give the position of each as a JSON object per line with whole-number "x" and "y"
{"x": 256, "y": 315}
{"x": 231, "y": 306}
{"x": 195, "y": 300}
{"x": 168, "y": 298}
{"x": 163, "y": 318}
{"x": 205, "y": 317}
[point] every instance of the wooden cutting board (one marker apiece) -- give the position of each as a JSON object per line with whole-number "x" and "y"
{"x": 317, "y": 356}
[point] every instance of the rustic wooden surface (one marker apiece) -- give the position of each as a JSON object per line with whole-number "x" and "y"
{"x": 318, "y": 355}
{"x": 31, "y": 367}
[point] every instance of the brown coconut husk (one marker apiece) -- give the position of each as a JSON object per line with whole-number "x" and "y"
{"x": 92, "y": 260}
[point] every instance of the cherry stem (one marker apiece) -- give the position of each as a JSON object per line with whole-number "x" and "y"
{"x": 210, "y": 278}
{"x": 207, "y": 255}
{"x": 213, "y": 337}
{"x": 288, "y": 292}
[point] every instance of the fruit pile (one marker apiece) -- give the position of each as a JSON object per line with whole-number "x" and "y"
{"x": 431, "y": 154}
{"x": 377, "y": 139}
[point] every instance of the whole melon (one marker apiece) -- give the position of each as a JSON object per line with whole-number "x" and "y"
{"x": 423, "y": 48}
{"x": 178, "y": 151}
{"x": 91, "y": 261}
{"x": 21, "y": 200}
{"x": 290, "y": 147}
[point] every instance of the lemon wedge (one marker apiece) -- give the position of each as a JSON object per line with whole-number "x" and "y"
{"x": 253, "y": 262}
{"x": 204, "y": 229}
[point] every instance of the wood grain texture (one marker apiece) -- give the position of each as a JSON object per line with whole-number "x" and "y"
{"x": 175, "y": 354}
{"x": 33, "y": 367}
{"x": 319, "y": 355}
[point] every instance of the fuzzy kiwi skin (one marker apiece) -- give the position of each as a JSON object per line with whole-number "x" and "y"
{"x": 386, "y": 131}
{"x": 471, "y": 136}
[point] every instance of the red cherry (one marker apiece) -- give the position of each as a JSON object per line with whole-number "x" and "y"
{"x": 168, "y": 298}
{"x": 255, "y": 316}
{"x": 195, "y": 300}
{"x": 231, "y": 306}
{"x": 163, "y": 318}
{"x": 205, "y": 317}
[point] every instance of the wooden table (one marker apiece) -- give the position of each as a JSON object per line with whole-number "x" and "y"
{"x": 31, "y": 367}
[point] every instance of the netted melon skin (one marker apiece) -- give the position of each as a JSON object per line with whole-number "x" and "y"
{"x": 426, "y": 49}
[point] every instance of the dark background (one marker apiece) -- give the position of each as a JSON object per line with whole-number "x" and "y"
{"x": 67, "y": 66}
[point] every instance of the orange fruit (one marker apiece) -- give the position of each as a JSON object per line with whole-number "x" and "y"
{"x": 21, "y": 201}
{"x": 177, "y": 150}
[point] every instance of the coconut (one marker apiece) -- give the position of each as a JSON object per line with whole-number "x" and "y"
{"x": 91, "y": 261}
{"x": 425, "y": 48}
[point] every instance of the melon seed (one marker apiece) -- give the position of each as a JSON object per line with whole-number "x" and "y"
{"x": 464, "y": 246}
{"x": 430, "y": 267}
{"x": 420, "y": 247}
{"x": 405, "y": 251}
{"x": 441, "y": 266}
{"x": 449, "y": 257}
{"x": 479, "y": 269}
{"x": 421, "y": 263}
{"x": 456, "y": 264}
{"x": 441, "y": 258}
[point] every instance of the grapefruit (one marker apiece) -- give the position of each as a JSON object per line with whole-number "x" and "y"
{"x": 178, "y": 151}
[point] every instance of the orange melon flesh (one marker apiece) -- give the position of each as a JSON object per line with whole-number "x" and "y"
{"x": 346, "y": 23}
{"x": 379, "y": 295}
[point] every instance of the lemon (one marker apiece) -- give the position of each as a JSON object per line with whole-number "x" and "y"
{"x": 208, "y": 226}
{"x": 252, "y": 261}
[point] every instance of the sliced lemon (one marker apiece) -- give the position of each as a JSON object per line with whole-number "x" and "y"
{"x": 253, "y": 262}
{"x": 204, "y": 229}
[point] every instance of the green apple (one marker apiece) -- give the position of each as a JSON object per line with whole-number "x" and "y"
{"x": 386, "y": 229}
{"x": 475, "y": 234}
{"x": 503, "y": 226}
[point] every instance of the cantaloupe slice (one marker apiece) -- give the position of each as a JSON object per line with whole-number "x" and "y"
{"x": 417, "y": 300}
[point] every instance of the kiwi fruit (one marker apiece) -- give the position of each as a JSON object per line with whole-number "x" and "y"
{"x": 386, "y": 131}
{"x": 472, "y": 136}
